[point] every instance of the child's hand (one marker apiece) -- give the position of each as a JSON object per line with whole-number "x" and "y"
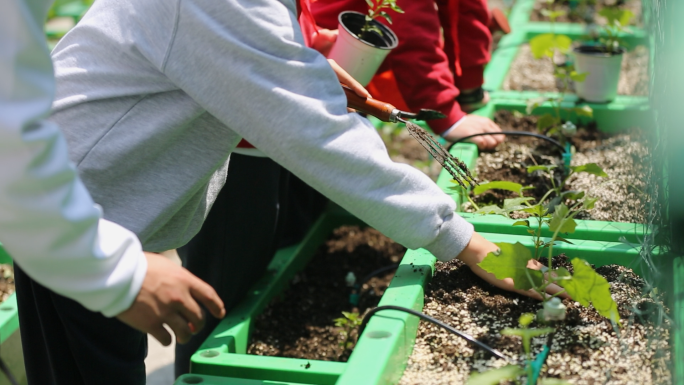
{"x": 474, "y": 124}
{"x": 477, "y": 250}
{"x": 324, "y": 40}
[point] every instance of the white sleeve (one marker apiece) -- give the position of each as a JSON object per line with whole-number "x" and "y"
{"x": 48, "y": 221}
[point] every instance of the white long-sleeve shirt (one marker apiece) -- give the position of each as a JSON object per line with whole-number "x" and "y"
{"x": 48, "y": 221}
{"x": 154, "y": 95}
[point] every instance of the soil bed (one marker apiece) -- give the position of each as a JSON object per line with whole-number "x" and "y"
{"x": 530, "y": 74}
{"x": 586, "y": 349}
{"x": 6, "y": 281}
{"x": 624, "y": 157}
{"x": 300, "y": 323}
{"x": 586, "y": 14}
{"x": 403, "y": 148}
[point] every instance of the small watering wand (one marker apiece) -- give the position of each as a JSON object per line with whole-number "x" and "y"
{"x": 388, "y": 113}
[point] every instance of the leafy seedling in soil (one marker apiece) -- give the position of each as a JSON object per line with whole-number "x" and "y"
{"x": 377, "y": 8}
{"x": 349, "y": 322}
{"x": 555, "y": 47}
{"x": 607, "y": 36}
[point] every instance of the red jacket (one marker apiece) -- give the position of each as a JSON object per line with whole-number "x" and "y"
{"x": 424, "y": 71}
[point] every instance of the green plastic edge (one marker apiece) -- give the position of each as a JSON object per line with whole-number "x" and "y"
{"x": 224, "y": 351}
{"x": 9, "y": 313}
{"x": 677, "y": 307}
{"x": 381, "y": 353}
{"x": 187, "y": 379}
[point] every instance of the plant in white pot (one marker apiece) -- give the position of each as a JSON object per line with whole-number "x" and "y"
{"x": 602, "y": 58}
{"x": 364, "y": 42}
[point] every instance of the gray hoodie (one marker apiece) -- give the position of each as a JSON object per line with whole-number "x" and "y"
{"x": 153, "y": 95}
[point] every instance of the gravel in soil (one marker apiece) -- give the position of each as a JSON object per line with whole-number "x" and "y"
{"x": 530, "y": 74}
{"x": 6, "y": 281}
{"x": 586, "y": 349}
{"x": 624, "y": 157}
{"x": 586, "y": 13}
{"x": 300, "y": 322}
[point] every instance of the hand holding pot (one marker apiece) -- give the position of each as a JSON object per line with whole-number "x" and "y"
{"x": 168, "y": 296}
{"x": 477, "y": 250}
{"x": 324, "y": 40}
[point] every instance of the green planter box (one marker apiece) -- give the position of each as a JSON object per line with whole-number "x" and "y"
{"x": 9, "y": 315}
{"x": 382, "y": 351}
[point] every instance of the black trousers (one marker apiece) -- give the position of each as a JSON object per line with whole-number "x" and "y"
{"x": 67, "y": 344}
{"x": 238, "y": 239}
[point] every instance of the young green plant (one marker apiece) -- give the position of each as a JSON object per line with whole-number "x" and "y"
{"x": 609, "y": 35}
{"x": 377, "y": 8}
{"x": 349, "y": 322}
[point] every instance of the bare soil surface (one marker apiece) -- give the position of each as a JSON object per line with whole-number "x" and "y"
{"x": 624, "y": 157}
{"x": 403, "y": 148}
{"x": 6, "y": 282}
{"x": 300, "y": 323}
{"x": 530, "y": 74}
{"x": 587, "y": 11}
{"x": 586, "y": 349}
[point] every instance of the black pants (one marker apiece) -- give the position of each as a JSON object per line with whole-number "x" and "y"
{"x": 67, "y": 344}
{"x": 238, "y": 239}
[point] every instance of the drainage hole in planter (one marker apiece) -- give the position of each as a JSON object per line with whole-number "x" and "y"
{"x": 301, "y": 323}
{"x": 193, "y": 380}
{"x": 209, "y": 353}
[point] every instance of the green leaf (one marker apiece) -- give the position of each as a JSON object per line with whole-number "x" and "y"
{"x": 521, "y": 223}
{"x": 386, "y": 16}
{"x": 578, "y": 77}
{"x": 545, "y": 121}
{"x": 498, "y": 185}
{"x": 495, "y": 376}
{"x": 588, "y": 203}
{"x": 591, "y": 168}
{"x": 563, "y": 43}
{"x": 491, "y": 209}
{"x": 573, "y": 195}
{"x": 563, "y": 240}
{"x": 553, "y": 381}
{"x": 526, "y": 319}
{"x": 583, "y": 111}
{"x": 543, "y": 45}
{"x": 547, "y": 168}
{"x": 559, "y": 221}
{"x": 514, "y": 204}
{"x": 537, "y": 210}
{"x": 586, "y": 286}
{"x": 511, "y": 262}
{"x": 616, "y": 16}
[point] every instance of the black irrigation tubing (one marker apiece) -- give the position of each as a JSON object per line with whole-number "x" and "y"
{"x": 513, "y": 133}
{"x": 435, "y": 321}
{"x": 376, "y": 272}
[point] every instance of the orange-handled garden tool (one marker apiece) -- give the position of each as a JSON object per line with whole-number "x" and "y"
{"x": 388, "y": 113}
{"x": 385, "y": 111}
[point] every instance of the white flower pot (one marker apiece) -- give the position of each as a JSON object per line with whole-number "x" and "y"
{"x": 601, "y": 83}
{"x": 361, "y": 58}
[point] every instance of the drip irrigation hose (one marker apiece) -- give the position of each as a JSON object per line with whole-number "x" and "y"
{"x": 354, "y": 296}
{"x": 512, "y": 133}
{"x": 435, "y": 321}
{"x": 539, "y": 361}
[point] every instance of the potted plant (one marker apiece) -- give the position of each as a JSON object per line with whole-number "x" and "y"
{"x": 602, "y": 58}
{"x": 364, "y": 42}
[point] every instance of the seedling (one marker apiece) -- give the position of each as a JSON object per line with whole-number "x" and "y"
{"x": 554, "y": 47}
{"x": 609, "y": 35}
{"x": 349, "y": 322}
{"x": 376, "y": 8}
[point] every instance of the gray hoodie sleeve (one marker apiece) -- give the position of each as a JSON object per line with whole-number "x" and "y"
{"x": 244, "y": 62}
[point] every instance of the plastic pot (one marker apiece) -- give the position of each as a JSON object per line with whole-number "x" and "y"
{"x": 603, "y": 68}
{"x": 361, "y": 58}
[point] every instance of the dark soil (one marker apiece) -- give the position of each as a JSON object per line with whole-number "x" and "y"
{"x": 300, "y": 323}
{"x": 623, "y": 156}
{"x": 6, "y": 282}
{"x": 585, "y": 13}
{"x": 586, "y": 348}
